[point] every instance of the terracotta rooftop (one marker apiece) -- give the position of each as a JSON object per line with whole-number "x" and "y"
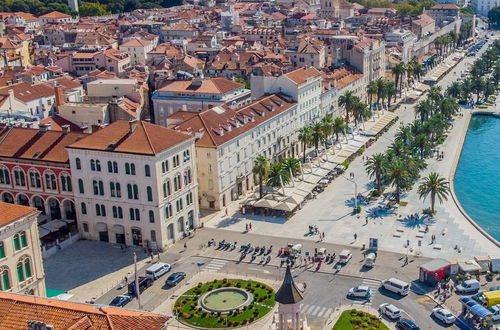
{"x": 301, "y": 75}
{"x": 11, "y": 212}
{"x": 212, "y": 86}
{"x": 32, "y": 144}
{"x": 222, "y": 124}
{"x": 26, "y": 92}
{"x": 138, "y": 137}
{"x": 57, "y": 122}
{"x": 135, "y": 42}
{"x": 445, "y": 6}
{"x": 16, "y": 310}
{"x": 55, "y": 14}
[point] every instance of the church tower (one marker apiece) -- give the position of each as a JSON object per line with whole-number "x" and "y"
{"x": 73, "y": 5}
{"x": 289, "y": 298}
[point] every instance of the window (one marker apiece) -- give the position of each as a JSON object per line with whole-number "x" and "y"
{"x": 98, "y": 187}
{"x": 178, "y": 205}
{"x": 83, "y": 206}
{"x": 189, "y": 198}
{"x": 35, "y": 181}
{"x": 112, "y": 167}
{"x": 164, "y": 166}
{"x": 120, "y": 212}
{"x": 186, "y": 156}
{"x": 20, "y": 241}
{"x": 19, "y": 178}
{"x": 50, "y": 181}
{"x": 85, "y": 227}
{"x": 149, "y": 193}
{"x": 112, "y": 190}
{"x": 151, "y": 216}
{"x": 187, "y": 177}
{"x": 134, "y": 214}
{"x": 103, "y": 210}
{"x": 66, "y": 182}
{"x": 78, "y": 164}
{"x": 98, "y": 166}
{"x": 132, "y": 168}
{"x": 153, "y": 236}
{"x": 177, "y": 182}
{"x": 27, "y": 268}
{"x": 2, "y": 251}
{"x": 4, "y": 176}
{"x": 115, "y": 189}
{"x": 20, "y": 272}
{"x": 80, "y": 186}
{"x": 92, "y": 165}
{"x": 98, "y": 210}
{"x": 166, "y": 189}
{"x": 115, "y": 211}
{"x": 4, "y": 279}
{"x": 168, "y": 211}
{"x": 147, "y": 170}
{"x": 132, "y": 191}
{"x": 175, "y": 161}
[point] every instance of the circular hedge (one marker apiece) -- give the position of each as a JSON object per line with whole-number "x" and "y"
{"x": 188, "y": 310}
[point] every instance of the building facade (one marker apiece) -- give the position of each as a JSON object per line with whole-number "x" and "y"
{"x": 135, "y": 184}
{"x": 21, "y": 269}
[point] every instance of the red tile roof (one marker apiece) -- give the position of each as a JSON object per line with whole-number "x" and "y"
{"x": 31, "y": 144}
{"x": 11, "y": 212}
{"x": 445, "y": 6}
{"x": 16, "y": 310}
{"x": 57, "y": 122}
{"x": 301, "y": 75}
{"x": 212, "y": 86}
{"x": 55, "y": 14}
{"x": 145, "y": 138}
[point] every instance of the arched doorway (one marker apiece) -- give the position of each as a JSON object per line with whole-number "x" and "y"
{"x": 180, "y": 224}
{"x": 136, "y": 236}
{"x": 55, "y": 210}
{"x": 119, "y": 231}
{"x": 69, "y": 209}
{"x": 39, "y": 204}
{"x": 170, "y": 231}
{"x": 190, "y": 220}
{"x": 23, "y": 200}
{"x": 102, "y": 230}
{"x": 8, "y": 198}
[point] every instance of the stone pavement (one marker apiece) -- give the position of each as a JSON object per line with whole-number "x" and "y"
{"x": 331, "y": 210}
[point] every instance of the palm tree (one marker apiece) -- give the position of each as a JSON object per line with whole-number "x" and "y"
{"x": 380, "y": 88}
{"x": 454, "y": 89}
{"x": 434, "y": 94}
{"x": 278, "y": 176}
{"x": 390, "y": 91}
{"x": 398, "y": 149}
{"x": 424, "y": 110}
{"x": 477, "y": 87}
{"x": 489, "y": 89}
{"x": 261, "y": 170}
{"x": 371, "y": 89}
{"x": 305, "y": 136}
{"x": 448, "y": 107}
{"x": 405, "y": 135}
{"x": 496, "y": 72}
{"x": 292, "y": 165}
{"x": 466, "y": 90}
{"x": 338, "y": 126}
{"x": 376, "y": 166}
{"x": 317, "y": 135}
{"x": 398, "y": 176}
{"x": 422, "y": 144}
{"x": 327, "y": 123}
{"x": 435, "y": 186}
{"x": 398, "y": 71}
{"x": 360, "y": 112}
{"x": 347, "y": 101}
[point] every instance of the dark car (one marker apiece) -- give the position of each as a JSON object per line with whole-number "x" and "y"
{"x": 120, "y": 301}
{"x": 406, "y": 324}
{"x": 175, "y": 278}
{"x": 144, "y": 283}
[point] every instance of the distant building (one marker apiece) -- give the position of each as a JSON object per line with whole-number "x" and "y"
{"x": 135, "y": 184}
{"x": 444, "y": 13}
{"x": 482, "y": 7}
{"x": 35, "y": 313}
{"x": 336, "y": 9}
{"x": 21, "y": 269}
{"x": 55, "y": 17}
{"x": 73, "y": 5}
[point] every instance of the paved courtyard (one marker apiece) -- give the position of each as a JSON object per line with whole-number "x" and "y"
{"x": 331, "y": 210}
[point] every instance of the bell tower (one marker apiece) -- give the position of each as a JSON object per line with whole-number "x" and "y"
{"x": 289, "y": 298}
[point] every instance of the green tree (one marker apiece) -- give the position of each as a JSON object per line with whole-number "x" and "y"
{"x": 477, "y": 87}
{"x": 305, "y": 137}
{"x": 398, "y": 176}
{"x": 398, "y": 71}
{"x": 317, "y": 135}
{"x": 348, "y": 100}
{"x": 390, "y": 91}
{"x": 454, "y": 89}
{"x": 376, "y": 167}
{"x": 246, "y": 83}
{"x": 261, "y": 170}
{"x": 494, "y": 16}
{"x": 371, "y": 89}
{"x": 422, "y": 144}
{"x": 327, "y": 124}
{"x": 424, "y": 109}
{"x": 292, "y": 165}
{"x": 338, "y": 126}
{"x": 278, "y": 175}
{"x": 93, "y": 9}
{"x": 435, "y": 186}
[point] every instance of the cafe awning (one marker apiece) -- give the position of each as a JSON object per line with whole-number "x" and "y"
{"x": 54, "y": 225}
{"x": 43, "y": 232}
{"x": 266, "y": 203}
{"x": 118, "y": 229}
{"x": 287, "y": 207}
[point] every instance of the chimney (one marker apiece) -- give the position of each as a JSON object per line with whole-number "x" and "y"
{"x": 59, "y": 91}
{"x": 43, "y": 127}
{"x": 132, "y": 124}
{"x": 65, "y": 129}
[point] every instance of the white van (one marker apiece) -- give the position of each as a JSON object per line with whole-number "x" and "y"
{"x": 396, "y": 286}
{"x": 370, "y": 260}
{"x": 157, "y": 270}
{"x": 468, "y": 286}
{"x": 344, "y": 256}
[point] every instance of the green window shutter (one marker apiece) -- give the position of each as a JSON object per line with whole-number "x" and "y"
{"x": 20, "y": 273}
{"x": 16, "y": 243}
{"x": 5, "y": 281}
{"x": 27, "y": 269}
{"x": 2, "y": 251}
{"x": 24, "y": 243}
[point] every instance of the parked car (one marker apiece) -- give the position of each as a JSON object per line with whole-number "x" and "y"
{"x": 120, "y": 301}
{"x": 494, "y": 288}
{"x": 157, "y": 270}
{"x": 144, "y": 283}
{"x": 390, "y": 311}
{"x": 397, "y": 286}
{"x": 175, "y": 278}
{"x": 344, "y": 256}
{"x": 360, "y": 292}
{"x": 443, "y": 315}
{"x": 468, "y": 286}
{"x": 495, "y": 310}
{"x": 406, "y": 324}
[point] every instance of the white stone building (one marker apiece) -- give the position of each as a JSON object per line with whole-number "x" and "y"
{"x": 137, "y": 50}
{"x": 21, "y": 269}
{"x": 135, "y": 184}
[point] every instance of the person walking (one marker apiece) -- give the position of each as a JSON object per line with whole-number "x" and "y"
{"x": 355, "y": 236}
{"x": 185, "y": 245}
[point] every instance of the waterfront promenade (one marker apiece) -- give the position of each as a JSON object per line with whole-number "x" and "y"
{"x": 331, "y": 210}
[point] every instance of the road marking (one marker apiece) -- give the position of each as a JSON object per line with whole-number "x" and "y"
{"x": 316, "y": 310}
{"x": 320, "y": 314}
{"x": 222, "y": 262}
{"x": 309, "y": 309}
{"x": 260, "y": 270}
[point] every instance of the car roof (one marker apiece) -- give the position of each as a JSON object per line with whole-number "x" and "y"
{"x": 392, "y": 308}
{"x": 362, "y": 287}
{"x": 471, "y": 281}
{"x": 407, "y": 321}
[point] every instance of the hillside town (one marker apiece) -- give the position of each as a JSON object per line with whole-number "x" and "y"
{"x": 220, "y": 141}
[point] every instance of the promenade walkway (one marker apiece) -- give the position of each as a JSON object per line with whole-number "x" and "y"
{"x": 331, "y": 210}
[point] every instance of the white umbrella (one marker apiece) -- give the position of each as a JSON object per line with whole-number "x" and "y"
{"x": 284, "y": 206}
{"x": 265, "y": 203}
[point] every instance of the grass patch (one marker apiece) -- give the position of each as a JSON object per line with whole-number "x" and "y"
{"x": 186, "y": 306}
{"x": 358, "y": 320}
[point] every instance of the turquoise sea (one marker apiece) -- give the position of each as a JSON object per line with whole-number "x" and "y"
{"x": 477, "y": 180}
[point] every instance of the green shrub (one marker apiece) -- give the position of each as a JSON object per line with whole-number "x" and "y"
{"x": 345, "y": 163}
{"x": 428, "y": 211}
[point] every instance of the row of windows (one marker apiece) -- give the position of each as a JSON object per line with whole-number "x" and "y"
{"x": 134, "y": 213}
{"x": 178, "y": 184}
{"x": 115, "y": 190}
{"x": 19, "y": 242}
{"x": 95, "y": 165}
{"x": 35, "y": 180}
{"x": 23, "y": 269}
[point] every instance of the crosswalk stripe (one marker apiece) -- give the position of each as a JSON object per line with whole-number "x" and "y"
{"x": 309, "y": 309}
{"x": 320, "y": 314}
{"x": 328, "y": 312}
{"x": 222, "y": 262}
{"x": 375, "y": 282}
{"x": 316, "y": 310}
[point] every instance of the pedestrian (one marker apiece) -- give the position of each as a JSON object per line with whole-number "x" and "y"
{"x": 246, "y": 227}
{"x": 442, "y": 154}
{"x": 185, "y": 246}
{"x": 366, "y": 220}
{"x": 407, "y": 242}
{"x": 355, "y": 236}
{"x": 121, "y": 247}
{"x": 315, "y": 251}
{"x": 151, "y": 256}
{"x": 250, "y": 226}
{"x": 125, "y": 279}
{"x": 406, "y": 260}
{"x": 226, "y": 211}
{"x": 323, "y": 236}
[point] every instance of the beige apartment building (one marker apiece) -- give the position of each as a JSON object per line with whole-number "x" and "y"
{"x": 21, "y": 269}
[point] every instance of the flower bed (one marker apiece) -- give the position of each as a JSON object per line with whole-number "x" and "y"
{"x": 358, "y": 320}
{"x": 190, "y": 312}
